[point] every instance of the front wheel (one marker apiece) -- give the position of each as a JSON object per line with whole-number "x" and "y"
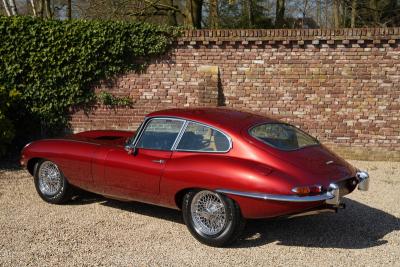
{"x": 212, "y": 218}
{"x": 50, "y": 183}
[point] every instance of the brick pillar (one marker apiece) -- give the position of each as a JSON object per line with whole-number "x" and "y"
{"x": 208, "y": 89}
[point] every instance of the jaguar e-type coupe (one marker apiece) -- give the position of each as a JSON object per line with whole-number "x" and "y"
{"x": 219, "y": 166}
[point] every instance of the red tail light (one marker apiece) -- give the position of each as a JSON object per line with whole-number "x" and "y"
{"x": 307, "y": 190}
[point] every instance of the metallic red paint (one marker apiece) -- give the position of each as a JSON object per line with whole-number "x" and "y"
{"x": 97, "y": 161}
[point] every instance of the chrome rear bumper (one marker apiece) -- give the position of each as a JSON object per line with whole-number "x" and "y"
{"x": 331, "y": 196}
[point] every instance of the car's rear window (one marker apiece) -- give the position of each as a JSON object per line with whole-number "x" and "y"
{"x": 282, "y": 136}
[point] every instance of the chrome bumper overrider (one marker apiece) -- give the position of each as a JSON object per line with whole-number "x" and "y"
{"x": 331, "y": 196}
{"x": 363, "y": 180}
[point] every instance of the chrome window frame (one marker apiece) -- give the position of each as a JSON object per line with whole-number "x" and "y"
{"x": 179, "y": 136}
{"x": 174, "y": 148}
{"x": 131, "y": 141}
{"x": 144, "y": 126}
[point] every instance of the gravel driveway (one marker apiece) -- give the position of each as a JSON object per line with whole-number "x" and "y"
{"x": 96, "y": 231}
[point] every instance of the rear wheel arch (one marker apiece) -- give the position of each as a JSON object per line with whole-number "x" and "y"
{"x": 181, "y": 194}
{"x": 32, "y": 163}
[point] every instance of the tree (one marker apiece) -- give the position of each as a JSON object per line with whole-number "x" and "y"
{"x": 248, "y": 12}
{"x": 193, "y": 13}
{"x": 49, "y": 11}
{"x": 6, "y": 7}
{"x": 10, "y": 7}
{"x": 353, "y": 13}
{"x": 373, "y": 6}
{"x": 69, "y": 9}
{"x": 336, "y": 13}
{"x": 280, "y": 13}
{"x": 319, "y": 22}
{"x": 33, "y": 5}
{"x": 219, "y": 13}
{"x": 213, "y": 16}
{"x": 391, "y": 13}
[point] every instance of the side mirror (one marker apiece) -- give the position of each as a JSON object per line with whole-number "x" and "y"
{"x": 131, "y": 150}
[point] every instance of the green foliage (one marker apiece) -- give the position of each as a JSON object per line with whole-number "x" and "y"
{"x": 7, "y": 131}
{"x": 55, "y": 63}
{"x": 108, "y": 99}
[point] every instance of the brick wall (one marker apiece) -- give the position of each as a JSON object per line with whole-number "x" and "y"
{"x": 341, "y": 86}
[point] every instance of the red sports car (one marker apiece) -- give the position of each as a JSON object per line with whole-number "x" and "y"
{"x": 219, "y": 166}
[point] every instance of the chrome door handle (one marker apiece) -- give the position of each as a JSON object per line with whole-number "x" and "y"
{"x": 161, "y": 161}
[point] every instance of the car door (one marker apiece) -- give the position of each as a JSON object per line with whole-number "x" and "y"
{"x": 137, "y": 175}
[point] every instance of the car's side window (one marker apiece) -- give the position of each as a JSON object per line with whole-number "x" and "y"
{"x": 160, "y": 134}
{"x": 198, "y": 137}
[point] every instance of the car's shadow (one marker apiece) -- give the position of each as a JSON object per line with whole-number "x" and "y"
{"x": 358, "y": 226}
{"x": 131, "y": 206}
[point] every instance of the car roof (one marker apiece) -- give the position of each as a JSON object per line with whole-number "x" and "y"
{"x": 223, "y": 118}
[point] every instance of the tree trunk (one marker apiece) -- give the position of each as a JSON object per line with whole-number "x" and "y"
{"x": 326, "y": 14}
{"x": 373, "y": 5}
{"x": 13, "y": 7}
{"x": 41, "y": 9}
{"x": 33, "y": 8}
{"x": 336, "y": 13}
{"x": 172, "y": 19}
{"x": 69, "y": 9}
{"x": 193, "y": 11}
{"x": 7, "y": 8}
{"x": 250, "y": 13}
{"x": 319, "y": 13}
{"x": 48, "y": 9}
{"x": 353, "y": 13}
{"x": 343, "y": 15}
{"x": 213, "y": 15}
{"x": 280, "y": 13}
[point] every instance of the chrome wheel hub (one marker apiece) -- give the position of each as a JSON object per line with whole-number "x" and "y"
{"x": 208, "y": 213}
{"x": 49, "y": 178}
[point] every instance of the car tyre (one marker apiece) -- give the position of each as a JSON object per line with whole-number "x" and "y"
{"x": 50, "y": 183}
{"x": 212, "y": 218}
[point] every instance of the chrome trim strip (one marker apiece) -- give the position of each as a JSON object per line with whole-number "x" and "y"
{"x": 178, "y": 138}
{"x": 286, "y": 198}
{"x": 138, "y": 133}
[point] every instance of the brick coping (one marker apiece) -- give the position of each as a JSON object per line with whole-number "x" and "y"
{"x": 286, "y": 36}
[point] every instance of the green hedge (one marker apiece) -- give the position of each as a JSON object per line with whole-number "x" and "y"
{"x": 53, "y": 64}
{"x": 7, "y": 130}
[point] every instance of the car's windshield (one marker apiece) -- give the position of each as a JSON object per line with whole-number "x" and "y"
{"x": 282, "y": 136}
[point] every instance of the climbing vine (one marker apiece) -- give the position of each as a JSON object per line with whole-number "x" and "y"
{"x": 54, "y": 64}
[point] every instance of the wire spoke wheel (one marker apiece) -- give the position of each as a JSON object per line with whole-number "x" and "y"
{"x": 208, "y": 213}
{"x": 49, "y": 178}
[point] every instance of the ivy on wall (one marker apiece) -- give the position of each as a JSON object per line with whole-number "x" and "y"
{"x": 53, "y": 64}
{"x": 107, "y": 99}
